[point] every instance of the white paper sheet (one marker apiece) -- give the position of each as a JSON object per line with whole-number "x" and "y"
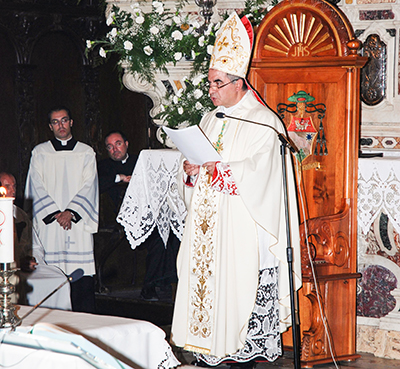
{"x": 193, "y": 144}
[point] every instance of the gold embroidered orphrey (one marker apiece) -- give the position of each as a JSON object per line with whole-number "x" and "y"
{"x": 203, "y": 263}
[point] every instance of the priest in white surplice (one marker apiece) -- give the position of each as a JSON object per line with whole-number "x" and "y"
{"x": 62, "y": 184}
{"x": 233, "y": 297}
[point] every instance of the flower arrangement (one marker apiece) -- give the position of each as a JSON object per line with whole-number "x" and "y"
{"x": 147, "y": 42}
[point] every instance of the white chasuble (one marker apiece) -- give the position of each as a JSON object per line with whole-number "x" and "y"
{"x": 60, "y": 180}
{"x": 219, "y": 257}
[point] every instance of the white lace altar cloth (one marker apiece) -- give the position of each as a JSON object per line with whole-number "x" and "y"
{"x": 378, "y": 191}
{"x": 152, "y": 198}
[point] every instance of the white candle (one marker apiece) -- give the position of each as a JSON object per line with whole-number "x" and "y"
{"x": 6, "y": 230}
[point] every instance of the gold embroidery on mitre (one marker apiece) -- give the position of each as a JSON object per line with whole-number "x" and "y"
{"x": 229, "y": 54}
{"x": 202, "y": 300}
{"x": 221, "y": 43}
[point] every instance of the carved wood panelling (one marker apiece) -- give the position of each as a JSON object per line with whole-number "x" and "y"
{"x": 306, "y": 54}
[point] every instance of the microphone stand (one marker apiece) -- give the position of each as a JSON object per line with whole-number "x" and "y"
{"x": 289, "y": 256}
{"x": 73, "y": 277}
{"x": 42, "y": 301}
{"x": 285, "y": 142}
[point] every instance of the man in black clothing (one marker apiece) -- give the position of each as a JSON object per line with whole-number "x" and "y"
{"x": 114, "y": 176}
{"x": 115, "y": 171}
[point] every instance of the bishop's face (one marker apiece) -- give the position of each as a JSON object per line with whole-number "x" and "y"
{"x": 61, "y": 124}
{"x": 223, "y": 91}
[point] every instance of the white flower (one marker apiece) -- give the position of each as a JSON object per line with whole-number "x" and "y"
{"x": 210, "y": 49}
{"x": 160, "y": 10}
{"x": 198, "y": 105}
{"x": 217, "y": 25}
{"x": 88, "y": 44}
{"x": 196, "y": 24}
{"x": 139, "y": 19}
{"x": 154, "y": 30}
{"x": 201, "y": 41}
{"x": 110, "y": 18}
{"x": 168, "y": 22}
{"x": 193, "y": 55}
{"x": 113, "y": 33}
{"x": 177, "y": 20}
{"x": 180, "y": 110}
{"x": 179, "y": 92}
{"x": 188, "y": 31}
{"x": 175, "y": 99}
{"x": 102, "y": 53}
{"x": 196, "y": 80}
{"x": 125, "y": 32}
{"x": 208, "y": 30}
{"x": 128, "y": 45}
{"x": 158, "y": 7}
{"x": 178, "y": 56}
{"x": 183, "y": 124}
{"x": 197, "y": 93}
{"x": 148, "y": 50}
{"x": 177, "y": 35}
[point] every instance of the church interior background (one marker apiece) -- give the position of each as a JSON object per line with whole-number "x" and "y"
{"x": 43, "y": 63}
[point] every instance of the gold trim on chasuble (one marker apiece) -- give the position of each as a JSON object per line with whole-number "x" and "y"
{"x": 202, "y": 268}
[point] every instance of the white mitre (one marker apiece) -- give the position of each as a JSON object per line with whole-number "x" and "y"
{"x": 232, "y": 48}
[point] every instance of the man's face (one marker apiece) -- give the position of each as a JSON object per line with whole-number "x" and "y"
{"x": 116, "y": 147}
{"x": 228, "y": 93}
{"x": 60, "y": 125}
{"x": 8, "y": 182}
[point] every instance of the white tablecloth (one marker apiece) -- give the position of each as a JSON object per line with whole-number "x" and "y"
{"x": 378, "y": 191}
{"x": 152, "y": 198}
{"x": 139, "y": 344}
{"x": 44, "y": 280}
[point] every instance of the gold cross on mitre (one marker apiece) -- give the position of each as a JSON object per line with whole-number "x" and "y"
{"x": 222, "y": 43}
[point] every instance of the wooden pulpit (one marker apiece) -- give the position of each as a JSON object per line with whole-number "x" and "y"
{"x": 306, "y": 68}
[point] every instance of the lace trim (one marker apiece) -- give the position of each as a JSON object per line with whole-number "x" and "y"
{"x": 223, "y": 180}
{"x": 263, "y": 334}
{"x": 152, "y": 198}
{"x": 378, "y": 191}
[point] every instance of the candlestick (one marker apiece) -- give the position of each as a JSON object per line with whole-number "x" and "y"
{"x": 8, "y": 319}
{"x": 7, "y": 310}
{"x": 6, "y": 230}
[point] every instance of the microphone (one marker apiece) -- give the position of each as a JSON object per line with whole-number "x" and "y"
{"x": 285, "y": 140}
{"x": 73, "y": 277}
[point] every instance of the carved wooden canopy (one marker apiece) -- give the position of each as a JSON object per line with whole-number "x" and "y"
{"x": 315, "y": 29}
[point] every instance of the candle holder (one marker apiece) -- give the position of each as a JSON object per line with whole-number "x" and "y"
{"x": 206, "y": 11}
{"x": 8, "y": 318}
